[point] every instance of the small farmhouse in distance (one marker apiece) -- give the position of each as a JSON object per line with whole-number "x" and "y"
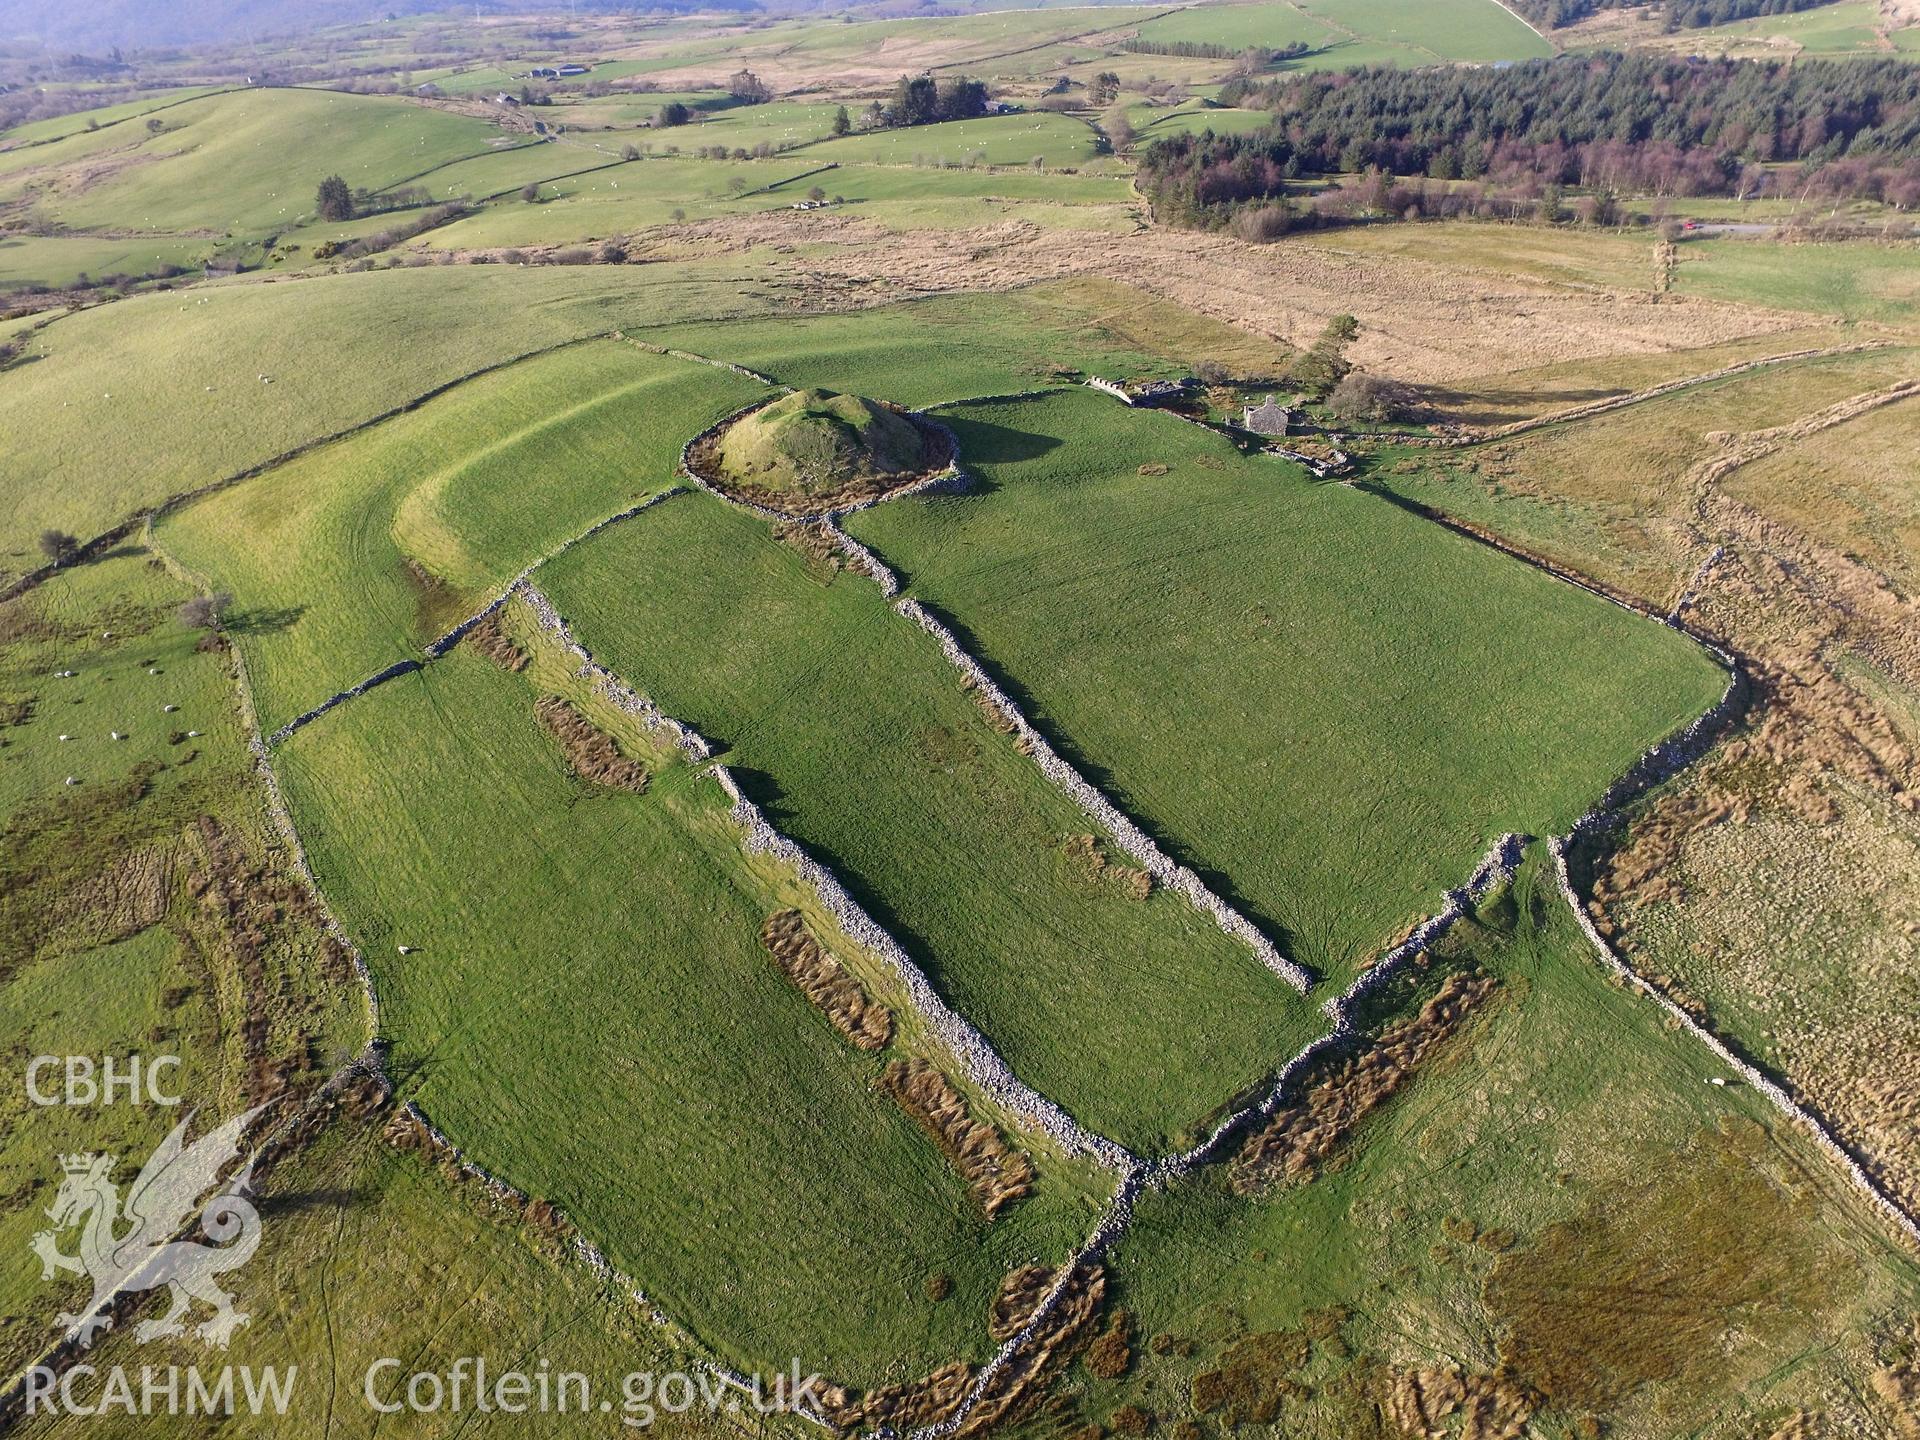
{"x": 1267, "y": 418}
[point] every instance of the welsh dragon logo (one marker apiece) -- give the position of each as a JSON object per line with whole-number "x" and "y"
{"x": 137, "y": 1250}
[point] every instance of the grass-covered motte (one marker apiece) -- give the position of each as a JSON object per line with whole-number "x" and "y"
{"x": 818, "y": 450}
{"x": 1329, "y": 703}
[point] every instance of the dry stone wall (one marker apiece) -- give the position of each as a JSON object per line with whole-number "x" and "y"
{"x": 439, "y": 647}
{"x": 1773, "y": 1091}
{"x": 608, "y": 685}
{"x": 864, "y": 560}
{"x": 278, "y": 814}
{"x": 1102, "y": 811}
{"x": 1496, "y": 867}
{"x": 981, "y": 1062}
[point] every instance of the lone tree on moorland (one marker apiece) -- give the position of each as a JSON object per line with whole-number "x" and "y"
{"x": 333, "y": 201}
{"x": 1374, "y": 398}
{"x": 58, "y": 546}
{"x": 671, "y": 114}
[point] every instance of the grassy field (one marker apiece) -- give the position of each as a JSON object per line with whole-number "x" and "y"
{"x": 1322, "y": 699}
{"x": 145, "y": 910}
{"x": 316, "y": 552}
{"x": 1242, "y": 26}
{"x": 1151, "y": 124}
{"x": 1591, "y": 1222}
{"x": 367, "y": 1254}
{"x": 1505, "y": 396}
{"x": 1856, "y": 281}
{"x": 633, "y": 196}
{"x": 1359, "y": 32}
{"x": 219, "y": 165}
{"x": 1867, "y": 506}
{"x": 123, "y": 406}
{"x": 142, "y": 996}
{"x": 61, "y": 260}
{"x": 37, "y": 132}
{"x": 111, "y": 623}
{"x": 952, "y": 347}
{"x": 698, "y": 1119}
{"x": 851, "y": 729}
{"x": 1056, "y": 140}
{"x": 1848, "y": 27}
{"x": 1559, "y": 256}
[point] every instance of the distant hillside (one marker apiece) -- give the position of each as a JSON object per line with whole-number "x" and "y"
{"x": 141, "y": 23}
{"x": 1678, "y": 14}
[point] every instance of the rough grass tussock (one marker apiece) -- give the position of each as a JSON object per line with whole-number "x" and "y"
{"x": 996, "y": 1173}
{"x": 590, "y": 751}
{"x": 1648, "y": 1284}
{"x": 491, "y": 639}
{"x": 825, "y": 982}
{"x": 1298, "y": 1142}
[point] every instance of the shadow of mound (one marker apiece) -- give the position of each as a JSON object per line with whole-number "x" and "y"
{"x": 984, "y": 443}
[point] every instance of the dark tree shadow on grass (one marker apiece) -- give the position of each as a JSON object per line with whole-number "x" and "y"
{"x": 263, "y": 621}
{"x": 295, "y": 1203}
{"x": 1500, "y": 407}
